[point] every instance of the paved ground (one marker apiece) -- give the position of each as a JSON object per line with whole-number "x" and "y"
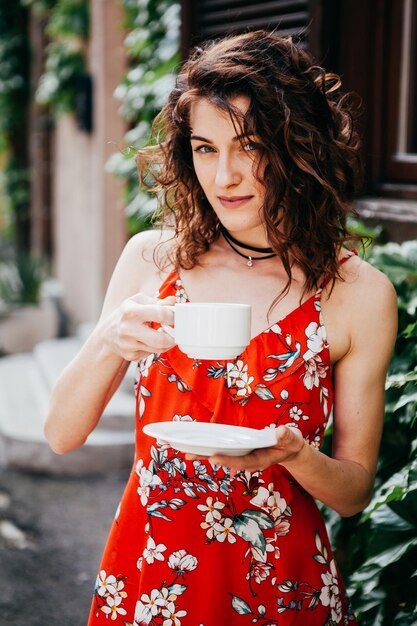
{"x": 52, "y": 532}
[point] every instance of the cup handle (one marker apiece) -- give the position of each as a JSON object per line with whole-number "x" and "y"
{"x": 169, "y": 330}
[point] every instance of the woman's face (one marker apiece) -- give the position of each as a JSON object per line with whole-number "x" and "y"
{"x": 225, "y": 163}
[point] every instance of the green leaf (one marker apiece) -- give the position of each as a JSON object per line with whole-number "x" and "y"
{"x": 261, "y": 609}
{"x": 159, "y": 514}
{"x": 263, "y": 392}
{"x": 399, "y": 380}
{"x": 408, "y": 396}
{"x": 376, "y": 564}
{"x": 240, "y": 606}
{"x": 250, "y": 531}
{"x": 176, "y": 503}
{"x": 177, "y": 589}
{"x": 320, "y": 559}
{"x": 262, "y": 519}
{"x": 410, "y": 331}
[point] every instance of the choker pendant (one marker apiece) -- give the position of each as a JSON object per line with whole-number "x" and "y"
{"x": 232, "y": 242}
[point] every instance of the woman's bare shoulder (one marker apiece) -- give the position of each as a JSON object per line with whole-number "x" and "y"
{"x": 368, "y": 297}
{"x": 149, "y": 250}
{"x": 360, "y": 278}
{"x": 138, "y": 268}
{"x": 147, "y": 241}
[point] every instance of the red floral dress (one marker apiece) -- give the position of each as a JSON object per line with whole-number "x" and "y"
{"x": 192, "y": 545}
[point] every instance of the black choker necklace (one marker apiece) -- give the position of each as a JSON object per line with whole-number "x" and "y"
{"x": 250, "y": 259}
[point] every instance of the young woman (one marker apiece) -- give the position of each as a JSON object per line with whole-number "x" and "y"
{"x": 256, "y": 166}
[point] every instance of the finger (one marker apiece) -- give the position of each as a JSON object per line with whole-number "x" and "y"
{"x": 152, "y": 340}
{"x": 168, "y": 301}
{"x": 289, "y": 439}
{"x": 142, "y": 298}
{"x": 138, "y": 336}
{"x": 195, "y": 457}
{"x": 150, "y": 312}
{"x": 256, "y": 460}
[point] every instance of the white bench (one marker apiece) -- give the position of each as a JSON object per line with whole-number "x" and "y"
{"x": 25, "y": 384}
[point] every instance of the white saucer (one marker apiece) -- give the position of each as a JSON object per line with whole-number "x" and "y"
{"x": 207, "y": 438}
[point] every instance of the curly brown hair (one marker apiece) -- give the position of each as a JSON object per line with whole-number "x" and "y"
{"x": 307, "y": 134}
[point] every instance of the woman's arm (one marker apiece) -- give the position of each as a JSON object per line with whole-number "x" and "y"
{"x": 121, "y": 335}
{"x": 344, "y": 482}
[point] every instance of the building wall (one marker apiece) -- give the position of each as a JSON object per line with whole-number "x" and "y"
{"x": 89, "y": 224}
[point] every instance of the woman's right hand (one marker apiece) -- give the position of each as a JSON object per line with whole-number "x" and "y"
{"x": 127, "y": 331}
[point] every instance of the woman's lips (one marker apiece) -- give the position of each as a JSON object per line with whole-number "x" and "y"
{"x": 233, "y": 201}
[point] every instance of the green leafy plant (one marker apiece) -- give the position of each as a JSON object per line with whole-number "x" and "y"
{"x": 14, "y": 97}
{"x": 378, "y": 549}
{"x": 67, "y": 26}
{"x": 20, "y": 281}
{"x": 152, "y": 45}
{"x": 58, "y": 84}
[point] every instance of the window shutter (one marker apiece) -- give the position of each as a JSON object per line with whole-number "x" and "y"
{"x": 214, "y": 18}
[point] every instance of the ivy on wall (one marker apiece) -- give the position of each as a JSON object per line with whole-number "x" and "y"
{"x": 14, "y": 71}
{"x": 152, "y": 47}
{"x": 67, "y": 28}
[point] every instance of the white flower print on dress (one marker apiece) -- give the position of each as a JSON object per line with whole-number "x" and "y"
{"x": 212, "y": 510}
{"x": 142, "y": 392}
{"x": 209, "y": 528}
{"x": 147, "y": 480}
{"x": 330, "y": 593}
{"x": 110, "y": 594}
{"x": 316, "y": 340}
{"x": 151, "y": 603}
{"x": 144, "y": 365}
{"x": 106, "y": 584}
{"x": 225, "y": 531}
{"x": 113, "y": 607}
{"x": 143, "y": 613}
{"x": 180, "y": 294}
{"x": 260, "y": 571}
{"x": 238, "y": 377}
{"x": 270, "y": 500}
{"x": 153, "y": 552}
{"x": 172, "y": 615}
{"x": 181, "y": 562}
{"x": 183, "y": 418}
{"x": 314, "y": 370}
{"x": 296, "y": 414}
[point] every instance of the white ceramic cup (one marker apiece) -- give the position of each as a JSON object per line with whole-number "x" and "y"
{"x": 211, "y": 330}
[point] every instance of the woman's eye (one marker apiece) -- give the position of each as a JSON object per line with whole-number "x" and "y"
{"x": 250, "y": 146}
{"x": 203, "y": 149}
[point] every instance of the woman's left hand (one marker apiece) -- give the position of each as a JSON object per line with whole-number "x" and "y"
{"x": 289, "y": 444}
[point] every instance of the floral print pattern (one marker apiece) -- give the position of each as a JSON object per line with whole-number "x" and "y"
{"x": 193, "y": 544}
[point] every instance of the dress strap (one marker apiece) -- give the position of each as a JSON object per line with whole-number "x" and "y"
{"x": 168, "y": 286}
{"x": 349, "y": 255}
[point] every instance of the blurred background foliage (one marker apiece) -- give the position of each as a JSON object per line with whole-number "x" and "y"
{"x": 14, "y": 97}
{"x": 67, "y": 26}
{"x": 152, "y": 48}
{"x": 377, "y": 550}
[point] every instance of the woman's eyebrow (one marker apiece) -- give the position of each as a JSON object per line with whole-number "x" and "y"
{"x": 236, "y": 138}
{"x": 198, "y": 138}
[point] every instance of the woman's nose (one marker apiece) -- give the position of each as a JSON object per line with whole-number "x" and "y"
{"x": 227, "y": 172}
